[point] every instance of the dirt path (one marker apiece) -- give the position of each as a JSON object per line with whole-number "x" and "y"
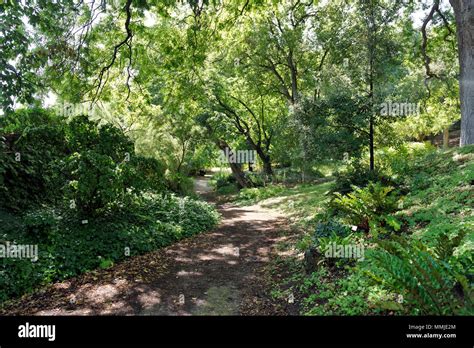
{"x": 201, "y": 185}
{"x": 215, "y": 273}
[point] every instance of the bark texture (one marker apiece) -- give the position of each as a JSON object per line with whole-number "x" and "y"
{"x": 464, "y": 13}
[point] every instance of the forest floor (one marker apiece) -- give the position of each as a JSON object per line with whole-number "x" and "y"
{"x": 221, "y": 272}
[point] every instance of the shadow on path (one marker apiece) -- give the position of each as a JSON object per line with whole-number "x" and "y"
{"x": 207, "y": 274}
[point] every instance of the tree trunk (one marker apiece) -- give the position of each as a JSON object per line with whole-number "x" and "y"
{"x": 446, "y": 137}
{"x": 371, "y": 51}
{"x": 267, "y": 164}
{"x": 234, "y": 167}
{"x": 464, "y": 13}
{"x": 371, "y": 143}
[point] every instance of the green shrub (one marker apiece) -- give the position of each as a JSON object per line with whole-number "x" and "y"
{"x": 29, "y": 159}
{"x": 368, "y": 207}
{"x": 346, "y": 295}
{"x": 143, "y": 173}
{"x": 85, "y": 135}
{"x": 427, "y": 283}
{"x": 179, "y": 183}
{"x": 228, "y": 189}
{"x": 257, "y": 179}
{"x": 39, "y": 224}
{"x": 69, "y": 244}
{"x": 398, "y": 162}
{"x": 256, "y": 194}
{"x": 358, "y": 175}
{"x": 329, "y": 234}
{"x": 328, "y": 228}
{"x": 95, "y": 181}
{"x": 222, "y": 179}
{"x": 48, "y": 161}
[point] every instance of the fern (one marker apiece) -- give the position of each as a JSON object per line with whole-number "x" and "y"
{"x": 409, "y": 268}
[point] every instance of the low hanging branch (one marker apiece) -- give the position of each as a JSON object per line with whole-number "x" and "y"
{"x": 426, "y": 57}
{"x": 127, "y": 41}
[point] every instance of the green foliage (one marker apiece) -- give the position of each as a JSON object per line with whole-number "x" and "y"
{"x": 435, "y": 247}
{"x": 203, "y": 157}
{"x": 31, "y": 146}
{"x": 46, "y": 22}
{"x": 282, "y": 85}
{"x": 325, "y": 129}
{"x": 327, "y": 233}
{"x": 368, "y": 207}
{"x": 332, "y": 227}
{"x": 346, "y": 295}
{"x": 256, "y": 194}
{"x": 144, "y": 173}
{"x": 357, "y": 174}
{"x": 257, "y": 179}
{"x": 426, "y": 282}
{"x": 70, "y": 245}
{"x": 83, "y": 196}
{"x": 95, "y": 168}
{"x": 221, "y": 179}
{"x": 95, "y": 181}
{"x": 91, "y": 167}
{"x": 39, "y": 224}
{"x": 227, "y": 190}
{"x": 179, "y": 183}
{"x": 400, "y": 160}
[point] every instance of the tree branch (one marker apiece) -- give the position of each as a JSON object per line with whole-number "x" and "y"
{"x": 426, "y": 58}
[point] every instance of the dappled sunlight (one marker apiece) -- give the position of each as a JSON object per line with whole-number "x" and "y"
{"x": 230, "y": 254}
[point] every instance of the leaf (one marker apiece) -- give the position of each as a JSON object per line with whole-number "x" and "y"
{"x": 391, "y": 221}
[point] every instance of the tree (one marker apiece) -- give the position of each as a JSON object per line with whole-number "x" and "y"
{"x": 464, "y": 13}
{"x": 217, "y": 131}
{"x": 464, "y": 16}
{"x": 27, "y": 46}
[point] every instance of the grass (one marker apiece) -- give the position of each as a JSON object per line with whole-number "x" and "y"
{"x": 441, "y": 200}
{"x": 301, "y": 203}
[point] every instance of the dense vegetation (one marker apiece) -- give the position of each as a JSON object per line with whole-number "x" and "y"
{"x": 334, "y": 111}
{"x": 416, "y": 229}
{"x": 80, "y": 193}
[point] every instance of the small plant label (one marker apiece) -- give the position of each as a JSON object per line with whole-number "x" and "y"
{"x": 181, "y": 299}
